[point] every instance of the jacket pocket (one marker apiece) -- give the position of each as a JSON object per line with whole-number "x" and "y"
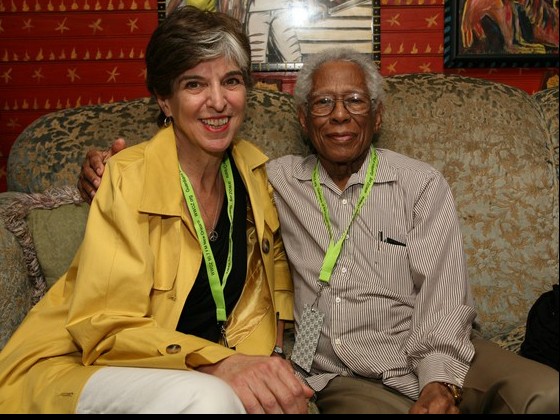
{"x": 165, "y": 241}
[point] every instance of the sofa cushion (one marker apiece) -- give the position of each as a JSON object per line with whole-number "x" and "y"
{"x": 57, "y": 234}
{"x": 49, "y": 227}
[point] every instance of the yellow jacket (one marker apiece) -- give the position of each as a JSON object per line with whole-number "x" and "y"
{"x": 119, "y": 302}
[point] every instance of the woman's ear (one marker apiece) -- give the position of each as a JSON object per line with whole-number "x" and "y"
{"x": 164, "y": 106}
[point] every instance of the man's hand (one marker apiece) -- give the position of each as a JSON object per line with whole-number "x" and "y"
{"x": 435, "y": 398}
{"x": 265, "y": 385}
{"x": 93, "y": 167}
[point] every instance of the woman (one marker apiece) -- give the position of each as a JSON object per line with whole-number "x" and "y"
{"x": 177, "y": 311}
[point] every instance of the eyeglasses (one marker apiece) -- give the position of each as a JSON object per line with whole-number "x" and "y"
{"x": 355, "y": 103}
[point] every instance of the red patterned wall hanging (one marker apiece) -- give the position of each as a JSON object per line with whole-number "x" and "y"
{"x": 58, "y": 54}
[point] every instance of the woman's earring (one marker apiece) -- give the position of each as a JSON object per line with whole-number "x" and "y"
{"x": 167, "y": 121}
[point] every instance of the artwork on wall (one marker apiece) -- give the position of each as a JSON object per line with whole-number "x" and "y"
{"x": 506, "y": 33}
{"x": 283, "y": 33}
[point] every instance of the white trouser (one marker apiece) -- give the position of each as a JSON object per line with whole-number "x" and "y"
{"x": 128, "y": 390}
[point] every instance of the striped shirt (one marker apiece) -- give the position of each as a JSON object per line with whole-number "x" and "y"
{"x": 397, "y": 309}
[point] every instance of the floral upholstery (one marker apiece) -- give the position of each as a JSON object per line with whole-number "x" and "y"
{"x": 548, "y": 100}
{"x": 496, "y": 145}
{"x": 50, "y": 151}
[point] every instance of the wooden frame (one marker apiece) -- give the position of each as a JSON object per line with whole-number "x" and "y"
{"x": 486, "y": 33}
{"x": 309, "y": 26}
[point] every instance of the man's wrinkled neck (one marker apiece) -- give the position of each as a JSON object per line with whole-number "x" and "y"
{"x": 340, "y": 172}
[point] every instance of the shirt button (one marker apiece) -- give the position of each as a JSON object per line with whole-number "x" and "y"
{"x": 338, "y": 341}
{"x": 338, "y": 300}
{"x": 344, "y": 270}
{"x": 173, "y": 349}
{"x": 344, "y": 201}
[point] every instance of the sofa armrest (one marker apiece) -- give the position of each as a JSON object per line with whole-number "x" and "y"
{"x": 16, "y": 290}
{"x": 40, "y": 233}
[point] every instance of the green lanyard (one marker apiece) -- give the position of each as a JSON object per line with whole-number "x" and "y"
{"x": 333, "y": 251}
{"x": 216, "y": 286}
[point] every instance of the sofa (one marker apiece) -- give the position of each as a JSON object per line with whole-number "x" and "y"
{"x": 496, "y": 145}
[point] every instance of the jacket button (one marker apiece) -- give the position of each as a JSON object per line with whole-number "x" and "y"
{"x": 265, "y": 246}
{"x": 173, "y": 349}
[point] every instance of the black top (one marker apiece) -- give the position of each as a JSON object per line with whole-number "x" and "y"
{"x": 199, "y": 312}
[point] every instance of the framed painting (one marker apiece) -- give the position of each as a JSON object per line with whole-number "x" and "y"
{"x": 283, "y": 33}
{"x": 506, "y": 33}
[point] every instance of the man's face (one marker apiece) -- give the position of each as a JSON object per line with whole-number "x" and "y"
{"x": 340, "y": 137}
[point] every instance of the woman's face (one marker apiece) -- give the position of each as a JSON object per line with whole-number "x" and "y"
{"x": 207, "y": 105}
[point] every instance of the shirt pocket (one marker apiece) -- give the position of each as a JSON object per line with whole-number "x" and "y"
{"x": 393, "y": 267}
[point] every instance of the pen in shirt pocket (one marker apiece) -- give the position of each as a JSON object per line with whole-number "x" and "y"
{"x": 388, "y": 240}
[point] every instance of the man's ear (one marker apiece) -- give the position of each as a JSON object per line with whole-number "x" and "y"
{"x": 378, "y": 117}
{"x": 302, "y": 117}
